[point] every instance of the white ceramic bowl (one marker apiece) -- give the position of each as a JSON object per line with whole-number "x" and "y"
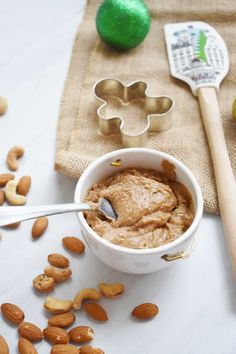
{"x": 134, "y": 260}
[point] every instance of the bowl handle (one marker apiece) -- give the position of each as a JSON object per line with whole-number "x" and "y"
{"x": 181, "y": 255}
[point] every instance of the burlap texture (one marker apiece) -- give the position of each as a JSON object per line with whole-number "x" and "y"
{"x": 78, "y": 141}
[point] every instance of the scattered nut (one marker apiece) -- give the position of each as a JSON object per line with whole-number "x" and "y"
{"x": 96, "y": 311}
{"x": 4, "y": 349}
{"x": 145, "y": 311}
{"x": 64, "y": 349}
{"x": 12, "y": 197}
{"x": 26, "y": 347}
{"x": 39, "y": 227}
{"x": 81, "y": 334}
{"x": 73, "y": 244}
{"x": 12, "y": 313}
{"x": 58, "y": 260}
{"x": 4, "y": 178}
{"x": 3, "y": 105}
{"x": 43, "y": 283}
{"x": 56, "y": 335}
{"x": 87, "y": 349}
{"x": 58, "y": 274}
{"x": 62, "y": 320}
{"x": 23, "y": 186}
{"x": 111, "y": 291}
{"x": 13, "y": 154}
{"x": 2, "y": 197}
{"x": 30, "y": 331}
{"x": 55, "y": 306}
{"x": 85, "y": 294}
{"x": 15, "y": 225}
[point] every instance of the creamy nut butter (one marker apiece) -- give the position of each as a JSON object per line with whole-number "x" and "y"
{"x": 153, "y": 208}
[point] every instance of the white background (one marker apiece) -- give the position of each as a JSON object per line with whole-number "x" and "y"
{"x": 196, "y": 297}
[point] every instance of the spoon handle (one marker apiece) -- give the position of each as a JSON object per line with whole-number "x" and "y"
{"x": 12, "y": 214}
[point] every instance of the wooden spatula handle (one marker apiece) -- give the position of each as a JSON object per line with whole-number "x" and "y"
{"x": 225, "y": 180}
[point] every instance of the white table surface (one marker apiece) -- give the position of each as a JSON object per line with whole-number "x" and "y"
{"x": 196, "y": 297}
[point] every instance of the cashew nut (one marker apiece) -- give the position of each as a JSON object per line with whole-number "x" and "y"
{"x": 3, "y": 105}
{"x": 111, "y": 291}
{"x": 13, "y": 154}
{"x": 53, "y": 305}
{"x": 12, "y": 197}
{"x": 85, "y": 294}
{"x": 58, "y": 274}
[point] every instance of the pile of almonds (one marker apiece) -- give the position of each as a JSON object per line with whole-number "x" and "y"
{"x": 56, "y": 272}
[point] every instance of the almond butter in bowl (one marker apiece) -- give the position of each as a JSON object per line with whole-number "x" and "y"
{"x": 152, "y": 207}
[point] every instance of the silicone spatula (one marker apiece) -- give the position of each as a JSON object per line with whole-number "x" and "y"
{"x": 198, "y": 55}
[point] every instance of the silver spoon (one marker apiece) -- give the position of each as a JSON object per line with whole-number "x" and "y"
{"x": 13, "y": 214}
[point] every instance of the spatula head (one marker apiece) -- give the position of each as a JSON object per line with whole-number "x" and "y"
{"x": 197, "y": 54}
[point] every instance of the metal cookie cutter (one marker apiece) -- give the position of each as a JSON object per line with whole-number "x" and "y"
{"x": 158, "y": 110}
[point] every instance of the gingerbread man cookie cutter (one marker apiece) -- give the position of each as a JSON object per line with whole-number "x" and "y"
{"x": 158, "y": 110}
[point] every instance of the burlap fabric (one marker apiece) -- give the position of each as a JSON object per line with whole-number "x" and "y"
{"x": 78, "y": 141}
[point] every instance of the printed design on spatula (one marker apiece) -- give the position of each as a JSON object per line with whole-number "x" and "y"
{"x": 197, "y": 54}
{"x": 130, "y": 112}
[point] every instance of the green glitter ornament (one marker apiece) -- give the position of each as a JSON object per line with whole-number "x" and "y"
{"x": 123, "y": 23}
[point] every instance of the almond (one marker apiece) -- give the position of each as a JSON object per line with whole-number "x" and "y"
{"x": 13, "y": 226}
{"x": 58, "y": 274}
{"x": 87, "y": 349}
{"x": 96, "y": 311}
{"x": 2, "y": 197}
{"x": 58, "y": 260}
{"x": 5, "y": 177}
{"x": 23, "y": 186}
{"x": 111, "y": 291}
{"x": 26, "y": 347}
{"x": 62, "y": 320}
{"x": 64, "y": 349}
{"x": 39, "y": 227}
{"x": 4, "y": 349}
{"x": 56, "y": 335}
{"x": 81, "y": 334}
{"x": 145, "y": 311}
{"x": 73, "y": 244}
{"x": 30, "y": 331}
{"x": 12, "y": 313}
{"x": 43, "y": 283}
{"x": 56, "y": 306}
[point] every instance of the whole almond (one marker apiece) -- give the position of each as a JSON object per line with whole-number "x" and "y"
{"x": 3, "y": 105}
{"x": 62, "y": 320}
{"x": 23, "y": 186}
{"x": 145, "y": 311}
{"x": 26, "y": 347}
{"x": 96, "y": 311}
{"x": 87, "y": 349}
{"x": 2, "y": 197}
{"x": 5, "y": 177}
{"x": 30, "y": 331}
{"x": 43, "y": 283}
{"x": 4, "y": 349}
{"x": 56, "y": 335}
{"x": 64, "y": 349}
{"x": 12, "y": 313}
{"x": 13, "y": 226}
{"x": 73, "y": 244}
{"x": 81, "y": 334}
{"x": 58, "y": 274}
{"x": 39, "y": 227}
{"x": 58, "y": 260}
